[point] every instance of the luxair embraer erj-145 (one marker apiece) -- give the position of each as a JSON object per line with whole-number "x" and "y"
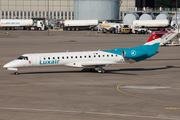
{"x": 89, "y": 59}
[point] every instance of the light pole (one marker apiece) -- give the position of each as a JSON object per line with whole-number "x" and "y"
{"x": 48, "y": 17}
{"x": 177, "y": 42}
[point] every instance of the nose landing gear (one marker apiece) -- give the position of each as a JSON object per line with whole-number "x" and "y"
{"x": 16, "y": 73}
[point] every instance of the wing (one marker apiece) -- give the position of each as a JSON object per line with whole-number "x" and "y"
{"x": 93, "y": 64}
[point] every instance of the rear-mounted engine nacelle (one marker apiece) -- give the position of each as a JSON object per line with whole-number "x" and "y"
{"x": 133, "y": 53}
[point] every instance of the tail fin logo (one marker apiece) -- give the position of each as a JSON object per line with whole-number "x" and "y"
{"x": 133, "y": 52}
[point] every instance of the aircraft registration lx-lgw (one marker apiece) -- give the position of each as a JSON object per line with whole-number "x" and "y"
{"x": 88, "y": 59}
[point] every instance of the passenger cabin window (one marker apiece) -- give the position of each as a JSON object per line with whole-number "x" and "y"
{"x": 99, "y": 56}
{"x": 111, "y": 55}
{"x": 53, "y": 57}
{"x": 57, "y": 57}
{"x": 67, "y": 57}
{"x": 107, "y": 55}
{"x": 49, "y": 58}
{"x": 62, "y": 57}
{"x": 44, "y": 58}
{"x": 80, "y": 56}
{"x": 76, "y": 57}
{"x": 84, "y": 56}
{"x": 71, "y": 57}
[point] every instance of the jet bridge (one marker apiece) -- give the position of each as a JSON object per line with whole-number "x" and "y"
{"x": 166, "y": 39}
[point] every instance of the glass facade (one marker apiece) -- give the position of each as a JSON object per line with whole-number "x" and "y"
{"x": 26, "y": 9}
{"x": 58, "y": 9}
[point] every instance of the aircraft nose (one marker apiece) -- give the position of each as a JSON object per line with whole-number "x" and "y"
{"x": 8, "y": 65}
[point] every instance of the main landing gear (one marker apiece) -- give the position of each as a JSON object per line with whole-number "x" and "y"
{"x": 101, "y": 70}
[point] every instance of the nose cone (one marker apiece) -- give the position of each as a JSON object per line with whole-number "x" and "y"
{"x": 9, "y": 65}
{"x": 5, "y": 66}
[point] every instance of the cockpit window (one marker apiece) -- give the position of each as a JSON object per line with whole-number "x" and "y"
{"x": 25, "y": 58}
{"x": 22, "y": 58}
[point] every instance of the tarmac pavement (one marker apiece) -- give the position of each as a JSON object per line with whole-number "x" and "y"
{"x": 147, "y": 90}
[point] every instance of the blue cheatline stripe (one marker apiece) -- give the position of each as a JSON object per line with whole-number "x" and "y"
{"x": 150, "y": 49}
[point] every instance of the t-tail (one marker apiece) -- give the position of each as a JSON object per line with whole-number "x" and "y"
{"x": 149, "y": 49}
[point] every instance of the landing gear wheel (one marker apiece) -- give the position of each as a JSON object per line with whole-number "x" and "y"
{"x": 16, "y": 73}
{"x": 101, "y": 71}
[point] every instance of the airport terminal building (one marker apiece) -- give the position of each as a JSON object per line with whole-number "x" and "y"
{"x": 26, "y": 9}
{"x": 63, "y": 9}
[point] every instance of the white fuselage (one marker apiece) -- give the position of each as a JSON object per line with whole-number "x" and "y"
{"x": 91, "y": 59}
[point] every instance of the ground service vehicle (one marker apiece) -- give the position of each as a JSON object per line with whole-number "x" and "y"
{"x": 125, "y": 29}
{"x": 111, "y": 27}
{"x": 115, "y": 28}
{"x": 160, "y": 24}
{"x": 26, "y": 24}
{"x": 139, "y": 29}
{"x": 79, "y": 24}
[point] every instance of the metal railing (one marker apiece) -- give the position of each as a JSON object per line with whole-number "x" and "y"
{"x": 154, "y": 10}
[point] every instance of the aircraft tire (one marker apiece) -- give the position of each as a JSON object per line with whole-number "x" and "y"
{"x": 101, "y": 71}
{"x": 16, "y": 73}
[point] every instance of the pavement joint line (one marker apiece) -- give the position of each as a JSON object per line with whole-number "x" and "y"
{"x": 141, "y": 96}
{"x": 85, "y": 112}
{"x": 83, "y": 100}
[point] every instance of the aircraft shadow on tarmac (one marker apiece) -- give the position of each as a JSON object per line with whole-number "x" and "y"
{"x": 82, "y": 71}
{"x": 148, "y": 69}
{"x": 107, "y": 71}
{"x": 161, "y": 59}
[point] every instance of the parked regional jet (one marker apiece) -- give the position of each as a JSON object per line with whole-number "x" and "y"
{"x": 89, "y": 59}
